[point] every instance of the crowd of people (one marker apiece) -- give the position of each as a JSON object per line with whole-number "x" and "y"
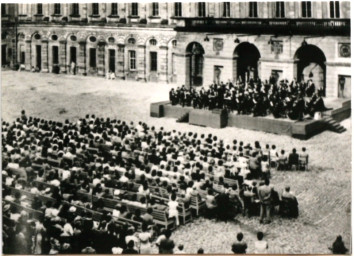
{"x": 294, "y": 100}
{"x": 125, "y": 163}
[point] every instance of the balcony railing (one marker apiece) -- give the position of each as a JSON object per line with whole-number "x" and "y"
{"x": 266, "y": 26}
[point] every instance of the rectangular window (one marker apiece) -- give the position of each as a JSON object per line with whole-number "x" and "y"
{"x": 95, "y": 10}
{"x": 153, "y": 61}
{"x": 57, "y": 9}
{"x": 114, "y": 9}
{"x": 178, "y": 9}
{"x": 226, "y": 9}
{"x": 201, "y": 9}
{"x": 334, "y": 9}
{"x": 75, "y": 9}
{"x": 39, "y": 9}
{"x": 253, "y": 12}
{"x": 55, "y": 55}
{"x": 3, "y": 9}
{"x": 155, "y": 9}
{"x": 306, "y": 9}
{"x": 134, "y": 10}
{"x": 132, "y": 60}
{"x": 279, "y": 9}
{"x": 92, "y": 57}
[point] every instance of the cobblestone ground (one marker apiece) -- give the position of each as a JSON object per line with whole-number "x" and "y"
{"x": 324, "y": 193}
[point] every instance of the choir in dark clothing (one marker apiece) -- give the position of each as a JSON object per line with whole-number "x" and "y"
{"x": 292, "y": 100}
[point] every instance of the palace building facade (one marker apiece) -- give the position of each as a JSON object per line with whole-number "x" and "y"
{"x": 195, "y": 43}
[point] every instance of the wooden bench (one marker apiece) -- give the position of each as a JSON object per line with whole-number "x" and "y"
{"x": 197, "y": 204}
{"x": 122, "y": 221}
{"x": 30, "y": 196}
{"x": 32, "y": 213}
{"x": 96, "y": 216}
{"x": 160, "y": 218}
{"x": 54, "y": 162}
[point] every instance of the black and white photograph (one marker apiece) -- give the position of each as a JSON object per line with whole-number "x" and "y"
{"x": 176, "y": 127}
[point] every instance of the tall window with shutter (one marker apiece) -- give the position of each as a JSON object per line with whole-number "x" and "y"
{"x": 253, "y": 10}
{"x": 95, "y": 10}
{"x": 134, "y": 9}
{"x": 114, "y": 9}
{"x": 155, "y": 9}
{"x": 279, "y": 9}
{"x": 226, "y": 9}
{"x": 132, "y": 60}
{"x": 57, "y": 9}
{"x": 3, "y": 9}
{"x": 39, "y": 9}
{"x": 201, "y": 9}
{"x": 334, "y": 9}
{"x": 75, "y": 9}
{"x": 306, "y": 9}
{"x": 178, "y": 9}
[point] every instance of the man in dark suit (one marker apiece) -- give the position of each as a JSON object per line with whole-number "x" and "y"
{"x": 294, "y": 159}
{"x": 167, "y": 245}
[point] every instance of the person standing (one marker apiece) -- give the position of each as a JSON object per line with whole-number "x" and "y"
{"x": 264, "y": 194}
{"x": 166, "y": 245}
{"x": 72, "y": 68}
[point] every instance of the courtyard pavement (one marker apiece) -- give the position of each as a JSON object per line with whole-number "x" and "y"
{"x": 324, "y": 193}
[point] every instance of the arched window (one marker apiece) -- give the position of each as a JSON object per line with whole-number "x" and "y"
{"x": 111, "y": 40}
{"x": 153, "y": 42}
{"x": 131, "y": 41}
{"x": 92, "y": 39}
{"x": 37, "y": 36}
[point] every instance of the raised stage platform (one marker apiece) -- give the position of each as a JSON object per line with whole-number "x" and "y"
{"x": 217, "y": 118}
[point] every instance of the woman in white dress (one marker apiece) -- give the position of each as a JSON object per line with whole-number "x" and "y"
{"x": 172, "y": 208}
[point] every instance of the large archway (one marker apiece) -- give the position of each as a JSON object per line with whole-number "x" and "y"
{"x": 194, "y": 64}
{"x": 245, "y": 61}
{"x": 311, "y": 64}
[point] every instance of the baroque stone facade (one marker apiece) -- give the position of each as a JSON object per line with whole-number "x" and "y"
{"x": 185, "y": 43}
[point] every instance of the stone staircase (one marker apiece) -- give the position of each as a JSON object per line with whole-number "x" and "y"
{"x": 333, "y": 125}
{"x": 184, "y": 118}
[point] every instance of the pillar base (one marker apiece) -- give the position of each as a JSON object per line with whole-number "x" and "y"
{"x": 44, "y": 70}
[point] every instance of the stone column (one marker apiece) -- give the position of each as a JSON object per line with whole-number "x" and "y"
{"x": 120, "y": 62}
{"x": 141, "y": 63}
{"x": 162, "y": 64}
{"x": 100, "y": 55}
{"x": 28, "y": 54}
{"x": 81, "y": 60}
{"x": 44, "y": 56}
{"x": 188, "y": 59}
{"x": 62, "y": 56}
